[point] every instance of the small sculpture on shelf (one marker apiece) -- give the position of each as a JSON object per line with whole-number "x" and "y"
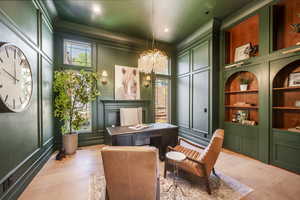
{"x": 297, "y": 104}
{"x": 251, "y": 50}
{"x": 296, "y": 27}
{"x": 245, "y": 51}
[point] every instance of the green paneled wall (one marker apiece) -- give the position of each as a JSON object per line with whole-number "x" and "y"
{"x": 197, "y": 84}
{"x": 183, "y": 64}
{"x": 183, "y": 105}
{"x": 105, "y": 57}
{"x": 24, "y": 143}
{"x": 200, "y": 56}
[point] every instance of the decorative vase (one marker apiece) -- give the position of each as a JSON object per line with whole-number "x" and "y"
{"x": 70, "y": 143}
{"x": 244, "y": 87}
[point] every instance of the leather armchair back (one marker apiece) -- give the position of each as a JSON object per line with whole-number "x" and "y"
{"x": 131, "y": 173}
{"x": 212, "y": 151}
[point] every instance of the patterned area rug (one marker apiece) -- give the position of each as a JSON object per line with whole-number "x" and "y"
{"x": 223, "y": 188}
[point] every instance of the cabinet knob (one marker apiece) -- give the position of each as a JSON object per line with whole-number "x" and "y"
{"x": 205, "y": 110}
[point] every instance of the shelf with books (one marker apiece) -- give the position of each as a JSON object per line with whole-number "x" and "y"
{"x": 241, "y": 98}
{"x": 286, "y": 97}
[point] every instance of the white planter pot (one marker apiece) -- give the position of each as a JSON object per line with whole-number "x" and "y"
{"x": 244, "y": 87}
{"x": 70, "y": 143}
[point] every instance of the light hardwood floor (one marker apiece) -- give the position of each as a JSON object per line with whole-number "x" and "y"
{"x": 69, "y": 179}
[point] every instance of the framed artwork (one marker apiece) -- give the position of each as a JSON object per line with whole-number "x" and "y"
{"x": 242, "y": 52}
{"x": 127, "y": 83}
{"x": 294, "y": 79}
{"x": 242, "y": 115}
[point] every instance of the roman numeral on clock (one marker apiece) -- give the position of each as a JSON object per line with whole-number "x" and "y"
{"x": 6, "y": 52}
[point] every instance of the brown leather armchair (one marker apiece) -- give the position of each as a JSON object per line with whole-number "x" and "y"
{"x": 200, "y": 160}
{"x": 131, "y": 173}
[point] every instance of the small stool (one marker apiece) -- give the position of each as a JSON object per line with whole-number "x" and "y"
{"x": 175, "y": 157}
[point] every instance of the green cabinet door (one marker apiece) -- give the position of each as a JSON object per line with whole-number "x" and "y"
{"x": 200, "y": 101}
{"x": 183, "y": 65}
{"x": 183, "y": 106}
{"x": 241, "y": 138}
{"x": 200, "y": 56}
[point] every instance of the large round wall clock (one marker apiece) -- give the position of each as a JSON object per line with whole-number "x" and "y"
{"x": 15, "y": 79}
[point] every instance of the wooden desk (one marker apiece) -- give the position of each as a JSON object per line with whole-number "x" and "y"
{"x": 161, "y": 135}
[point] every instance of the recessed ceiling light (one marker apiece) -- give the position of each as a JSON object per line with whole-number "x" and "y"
{"x": 166, "y": 30}
{"x": 96, "y": 9}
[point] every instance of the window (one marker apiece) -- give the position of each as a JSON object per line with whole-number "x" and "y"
{"x": 163, "y": 71}
{"x": 77, "y": 53}
{"x": 162, "y": 100}
{"x": 87, "y": 113}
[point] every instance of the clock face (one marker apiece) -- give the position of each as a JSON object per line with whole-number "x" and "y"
{"x": 15, "y": 78}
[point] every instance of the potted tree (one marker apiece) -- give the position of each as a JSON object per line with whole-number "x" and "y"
{"x": 73, "y": 91}
{"x": 244, "y": 82}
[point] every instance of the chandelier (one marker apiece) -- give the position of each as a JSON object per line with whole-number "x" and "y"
{"x": 152, "y": 60}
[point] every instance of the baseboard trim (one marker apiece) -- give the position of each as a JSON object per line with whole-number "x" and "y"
{"x": 23, "y": 181}
{"x": 93, "y": 141}
{"x": 191, "y": 137}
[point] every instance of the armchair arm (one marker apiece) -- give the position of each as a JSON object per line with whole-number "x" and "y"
{"x": 193, "y": 160}
{"x": 170, "y": 149}
{"x": 187, "y": 157}
{"x": 195, "y": 145}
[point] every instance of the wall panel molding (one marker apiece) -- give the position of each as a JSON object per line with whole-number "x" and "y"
{"x": 28, "y": 148}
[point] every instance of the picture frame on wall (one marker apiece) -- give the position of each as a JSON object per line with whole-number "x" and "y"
{"x": 127, "y": 83}
{"x": 242, "y": 52}
{"x": 294, "y": 79}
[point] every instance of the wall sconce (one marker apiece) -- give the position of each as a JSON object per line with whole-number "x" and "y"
{"x": 104, "y": 76}
{"x": 147, "y": 81}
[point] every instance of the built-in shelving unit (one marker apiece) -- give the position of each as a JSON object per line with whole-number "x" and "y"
{"x": 234, "y": 97}
{"x": 272, "y": 102}
{"x": 285, "y": 14}
{"x": 286, "y": 114}
{"x": 241, "y": 34}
